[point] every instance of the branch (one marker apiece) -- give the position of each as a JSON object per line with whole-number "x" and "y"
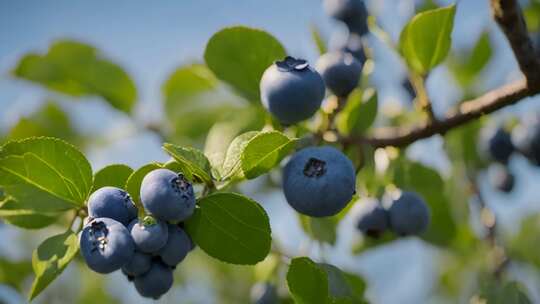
{"x": 466, "y": 112}
{"x": 509, "y": 16}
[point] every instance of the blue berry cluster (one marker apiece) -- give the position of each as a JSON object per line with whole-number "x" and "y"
{"x": 145, "y": 249}
{"x": 499, "y": 144}
{"x": 407, "y": 215}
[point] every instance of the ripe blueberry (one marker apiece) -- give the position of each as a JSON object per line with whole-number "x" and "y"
{"x": 409, "y": 214}
{"x": 156, "y": 282}
{"x": 319, "y": 181}
{"x": 526, "y": 138}
{"x": 352, "y": 12}
{"x": 138, "y": 265}
{"x": 340, "y": 71}
{"x": 373, "y": 220}
{"x": 264, "y": 293}
{"x": 501, "y": 178}
{"x": 167, "y": 196}
{"x": 291, "y": 90}
{"x": 149, "y": 235}
{"x": 112, "y": 202}
{"x": 177, "y": 247}
{"x": 499, "y": 145}
{"x": 106, "y": 245}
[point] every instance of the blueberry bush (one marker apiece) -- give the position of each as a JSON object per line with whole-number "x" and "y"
{"x": 314, "y": 130}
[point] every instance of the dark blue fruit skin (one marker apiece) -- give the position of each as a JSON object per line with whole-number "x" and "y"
{"x": 156, "y": 282}
{"x": 340, "y": 71}
{"x": 373, "y": 220}
{"x": 112, "y": 202}
{"x": 148, "y": 238}
{"x": 409, "y": 214}
{"x": 501, "y": 178}
{"x": 106, "y": 245}
{"x": 319, "y": 181}
{"x": 177, "y": 247}
{"x": 264, "y": 293}
{"x": 500, "y": 146}
{"x": 352, "y": 12}
{"x": 526, "y": 139}
{"x": 138, "y": 265}
{"x": 291, "y": 90}
{"x": 168, "y": 196}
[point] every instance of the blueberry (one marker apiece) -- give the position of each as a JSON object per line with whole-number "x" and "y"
{"x": 156, "y": 282}
{"x": 106, "y": 245}
{"x": 373, "y": 220}
{"x": 177, "y": 247}
{"x": 526, "y": 138}
{"x": 291, "y": 90}
{"x": 340, "y": 71}
{"x": 112, "y": 202}
{"x": 138, "y": 265}
{"x": 167, "y": 196}
{"x": 319, "y": 181}
{"x": 149, "y": 235}
{"x": 352, "y": 12}
{"x": 409, "y": 214}
{"x": 264, "y": 293}
{"x": 501, "y": 178}
{"x": 499, "y": 145}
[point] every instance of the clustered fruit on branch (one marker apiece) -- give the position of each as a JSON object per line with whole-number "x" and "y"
{"x": 148, "y": 248}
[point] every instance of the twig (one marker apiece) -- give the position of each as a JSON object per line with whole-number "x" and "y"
{"x": 466, "y": 112}
{"x": 509, "y": 16}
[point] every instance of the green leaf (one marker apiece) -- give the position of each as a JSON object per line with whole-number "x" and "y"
{"x": 319, "y": 41}
{"x": 344, "y": 287}
{"x": 462, "y": 145}
{"x": 307, "y": 282}
{"x": 134, "y": 181}
{"x": 115, "y": 175}
{"x": 192, "y": 161}
{"x": 48, "y": 120}
{"x": 225, "y": 131}
{"x": 14, "y": 273}
{"x": 467, "y": 67}
{"x": 264, "y": 151}
{"x": 44, "y": 174}
{"x": 322, "y": 229}
{"x": 232, "y": 165}
{"x": 413, "y": 176}
{"x": 194, "y": 101}
{"x": 16, "y": 214}
{"x": 522, "y": 246}
{"x": 231, "y": 227}
{"x": 51, "y": 258}
{"x": 239, "y": 56}
{"x": 359, "y": 112}
{"x": 356, "y": 284}
{"x": 494, "y": 292}
{"x": 426, "y": 39}
{"x": 79, "y": 69}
